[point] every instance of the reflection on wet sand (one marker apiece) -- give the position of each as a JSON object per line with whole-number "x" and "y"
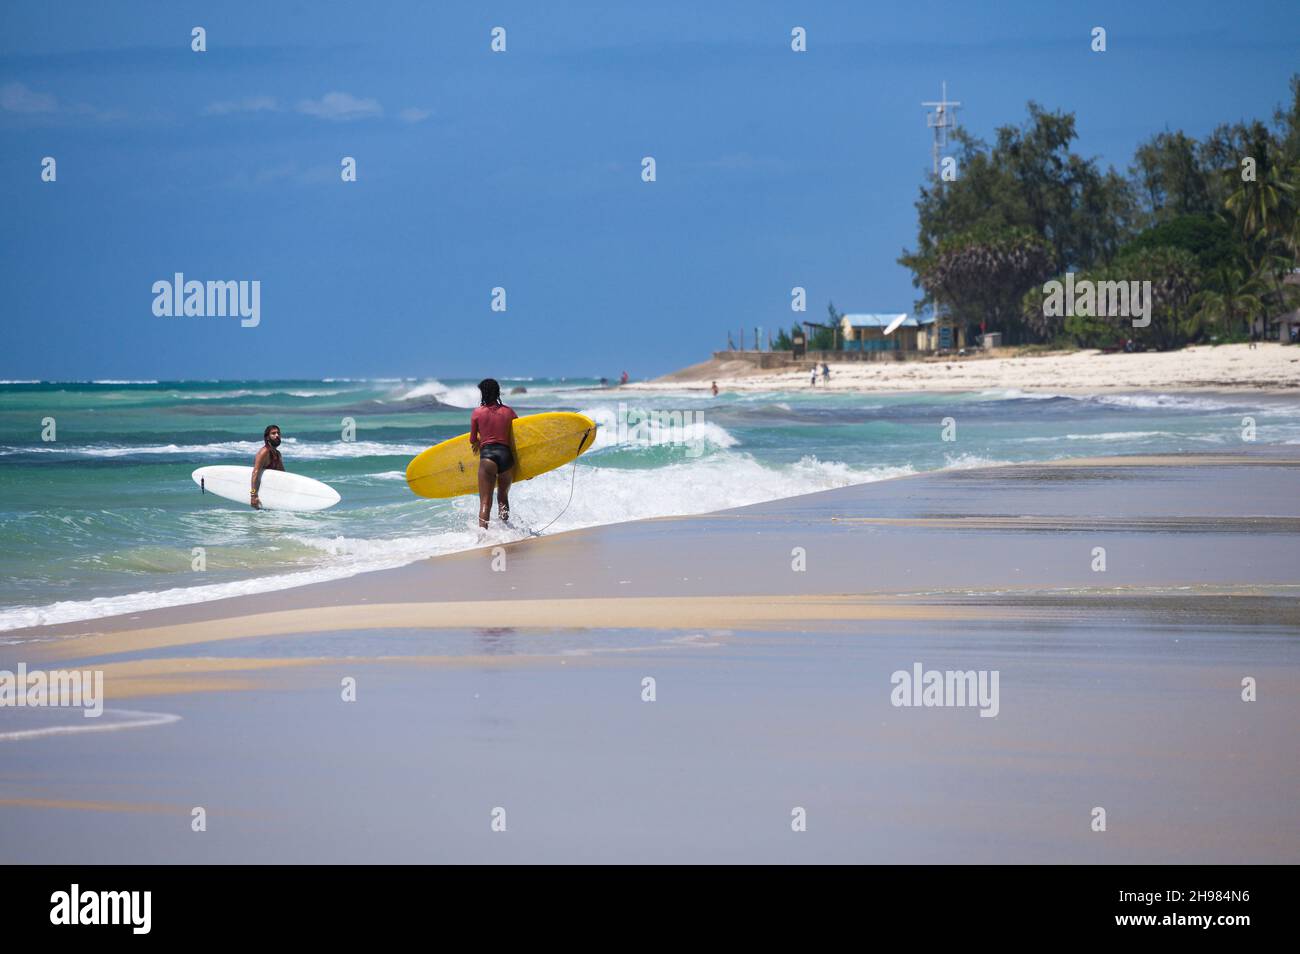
{"x": 1143, "y": 629}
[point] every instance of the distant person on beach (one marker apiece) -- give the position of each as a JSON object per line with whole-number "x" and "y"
{"x": 492, "y": 436}
{"x": 623, "y": 379}
{"x": 267, "y": 458}
{"x": 715, "y": 388}
{"x": 813, "y": 382}
{"x": 826, "y": 373}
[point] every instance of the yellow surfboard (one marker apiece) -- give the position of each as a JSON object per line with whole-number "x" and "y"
{"x": 545, "y": 442}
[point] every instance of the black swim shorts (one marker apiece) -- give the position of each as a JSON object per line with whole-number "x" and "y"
{"x": 499, "y": 453}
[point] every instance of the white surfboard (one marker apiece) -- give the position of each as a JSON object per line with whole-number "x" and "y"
{"x": 278, "y": 490}
{"x": 893, "y": 325}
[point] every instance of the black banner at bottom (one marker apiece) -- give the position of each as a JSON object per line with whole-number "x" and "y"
{"x": 334, "y": 903}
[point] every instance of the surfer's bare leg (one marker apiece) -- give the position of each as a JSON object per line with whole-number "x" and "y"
{"x": 503, "y": 493}
{"x": 487, "y": 477}
{"x": 505, "y": 480}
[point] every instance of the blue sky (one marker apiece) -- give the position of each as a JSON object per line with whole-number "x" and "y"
{"x": 522, "y": 169}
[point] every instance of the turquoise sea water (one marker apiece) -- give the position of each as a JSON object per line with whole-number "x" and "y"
{"x": 104, "y": 518}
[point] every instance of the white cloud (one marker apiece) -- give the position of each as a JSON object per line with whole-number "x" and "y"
{"x": 340, "y": 106}
{"x": 249, "y": 104}
{"x": 22, "y": 99}
{"x": 413, "y": 115}
{"x": 19, "y": 98}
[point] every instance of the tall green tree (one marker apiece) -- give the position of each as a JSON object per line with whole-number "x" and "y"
{"x": 1209, "y": 238}
{"x": 1261, "y": 204}
{"x": 1028, "y": 178}
{"x": 1233, "y": 304}
{"x": 1214, "y": 225}
{"x": 1264, "y": 212}
{"x": 1174, "y": 310}
{"x": 1175, "y": 281}
{"x": 981, "y": 276}
{"x": 1287, "y": 121}
{"x": 1170, "y": 178}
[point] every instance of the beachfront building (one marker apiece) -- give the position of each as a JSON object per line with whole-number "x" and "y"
{"x": 1284, "y": 327}
{"x": 941, "y": 335}
{"x": 866, "y": 332}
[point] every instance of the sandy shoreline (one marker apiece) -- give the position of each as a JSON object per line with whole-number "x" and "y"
{"x": 582, "y": 564}
{"x": 525, "y": 688}
{"x": 1270, "y": 367}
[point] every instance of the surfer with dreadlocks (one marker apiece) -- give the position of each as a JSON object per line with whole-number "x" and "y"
{"x": 268, "y": 458}
{"x": 492, "y": 436}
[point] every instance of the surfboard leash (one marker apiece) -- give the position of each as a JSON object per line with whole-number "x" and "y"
{"x": 573, "y": 480}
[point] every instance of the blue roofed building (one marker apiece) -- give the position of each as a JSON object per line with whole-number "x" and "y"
{"x": 866, "y": 332}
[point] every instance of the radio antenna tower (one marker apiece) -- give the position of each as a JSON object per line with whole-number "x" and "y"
{"x": 941, "y": 120}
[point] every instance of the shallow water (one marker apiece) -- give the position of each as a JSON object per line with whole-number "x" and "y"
{"x": 1133, "y": 714}
{"x": 105, "y": 519}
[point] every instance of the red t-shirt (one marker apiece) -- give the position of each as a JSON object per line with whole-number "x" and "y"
{"x": 491, "y": 425}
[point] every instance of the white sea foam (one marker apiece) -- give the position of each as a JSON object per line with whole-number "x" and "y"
{"x": 613, "y": 484}
{"x": 1165, "y": 401}
{"x": 248, "y": 392}
{"x": 646, "y": 427}
{"x": 1118, "y": 436}
{"x": 364, "y": 380}
{"x": 1103, "y": 436}
{"x": 1140, "y": 401}
{"x": 970, "y": 461}
{"x": 133, "y": 720}
{"x": 606, "y": 495}
{"x": 217, "y": 395}
{"x": 69, "y": 611}
{"x": 1015, "y": 394}
{"x": 603, "y": 496}
{"x": 465, "y": 395}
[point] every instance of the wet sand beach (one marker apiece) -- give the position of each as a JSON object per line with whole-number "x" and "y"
{"x": 510, "y": 683}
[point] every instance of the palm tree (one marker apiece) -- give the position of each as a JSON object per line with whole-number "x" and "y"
{"x": 1239, "y": 298}
{"x": 1276, "y": 265}
{"x": 1292, "y": 236}
{"x": 1261, "y": 207}
{"x": 1265, "y": 215}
